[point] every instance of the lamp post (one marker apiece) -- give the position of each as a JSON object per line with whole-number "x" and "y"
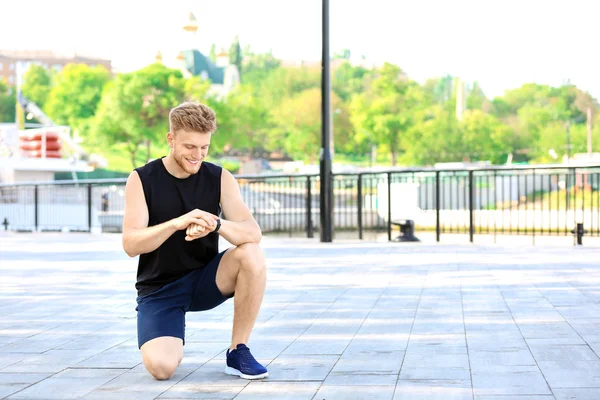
{"x": 569, "y": 142}
{"x": 326, "y": 192}
{"x": 569, "y": 122}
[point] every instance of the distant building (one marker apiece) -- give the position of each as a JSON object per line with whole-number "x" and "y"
{"x": 192, "y": 62}
{"x": 333, "y": 63}
{"x": 46, "y": 59}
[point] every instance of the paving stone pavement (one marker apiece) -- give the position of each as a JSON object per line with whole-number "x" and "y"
{"x": 343, "y": 320}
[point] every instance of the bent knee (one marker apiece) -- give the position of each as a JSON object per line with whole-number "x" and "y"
{"x": 161, "y": 369}
{"x": 250, "y": 256}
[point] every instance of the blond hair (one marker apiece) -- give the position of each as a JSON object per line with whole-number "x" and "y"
{"x": 192, "y": 117}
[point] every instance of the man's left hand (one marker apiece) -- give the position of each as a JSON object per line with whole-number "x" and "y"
{"x": 195, "y": 231}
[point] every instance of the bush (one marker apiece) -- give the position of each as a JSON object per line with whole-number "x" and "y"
{"x": 230, "y": 165}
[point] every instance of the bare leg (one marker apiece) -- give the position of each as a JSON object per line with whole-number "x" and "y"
{"x": 162, "y": 356}
{"x": 243, "y": 270}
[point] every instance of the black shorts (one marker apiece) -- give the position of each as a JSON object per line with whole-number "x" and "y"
{"x": 162, "y": 312}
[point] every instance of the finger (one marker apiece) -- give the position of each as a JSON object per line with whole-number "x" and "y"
{"x": 194, "y": 236}
{"x": 191, "y": 237}
{"x": 198, "y": 213}
{"x": 200, "y": 221}
{"x": 210, "y": 220}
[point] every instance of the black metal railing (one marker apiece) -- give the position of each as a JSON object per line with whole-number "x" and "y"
{"x": 520, "y": 200}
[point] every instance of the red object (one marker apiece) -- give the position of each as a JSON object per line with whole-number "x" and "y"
{"x": 37, "y": 145}
{"x": 38, "y": 136}
{"x": 38, "y": 153}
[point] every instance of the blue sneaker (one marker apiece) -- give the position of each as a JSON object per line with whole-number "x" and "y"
{"x": 240, "y": 362}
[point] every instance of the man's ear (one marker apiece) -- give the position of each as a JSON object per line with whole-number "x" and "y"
{"x": 170, "y": 139}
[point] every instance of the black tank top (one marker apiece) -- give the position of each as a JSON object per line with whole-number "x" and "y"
{"x": 168, "y": 197}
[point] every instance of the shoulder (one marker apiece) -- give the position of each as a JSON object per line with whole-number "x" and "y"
{"x": 228, "y": 181}
{"x": 134, "y": 184}
{"x": 151, "y": 168}
{"x": 213, "y": 169}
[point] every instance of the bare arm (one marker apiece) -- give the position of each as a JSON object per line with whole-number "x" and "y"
{"x": 138, "y": 237}
{"x": 239, "y": 226}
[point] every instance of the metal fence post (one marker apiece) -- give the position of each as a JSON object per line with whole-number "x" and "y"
{"x": 389, "y": 201}
{"x": 437, "y": 206}
{"x": 471, "y": 206}
{"x": 359, "y": 206}
{"x": 36, "y": 207}
{"x": 309, "y": 227}
{"x": 542, "y": 196}
{"x": 89, "y": 205}
{"x": 571, "y": 203}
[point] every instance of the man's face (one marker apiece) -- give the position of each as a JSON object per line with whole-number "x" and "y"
{"x": 189, "y": 149}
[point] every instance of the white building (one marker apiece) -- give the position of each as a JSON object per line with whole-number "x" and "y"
{"x": 193, "y": 62}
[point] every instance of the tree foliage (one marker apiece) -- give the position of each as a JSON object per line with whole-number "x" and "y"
{"x": 37, "y": 83}
{"x": 277, "y": 107}
{"x": 135, "y": 107}
{"x": 76, "y": 93}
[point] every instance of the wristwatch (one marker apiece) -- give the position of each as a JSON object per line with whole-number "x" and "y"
{"x": 218, "y": 225}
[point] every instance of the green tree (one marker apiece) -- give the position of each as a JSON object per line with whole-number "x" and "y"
{"x": 235, "y": 55}
{"x": 37, "y": 84}
{"x": 197, "y": 89}
{"x": 349, "y": 80}
{"x": 538, "y": 114}
{"x": 243, "y": 119}
{"x": 343, "y": 130}
{"x": 7, "y": 103}
{"x": 240, "y": 116}
{"x": 342, "y": 55}
{"x": 439, "y": 90}
{"x": 297, "y": 123}
{"x": 257, "y": 67}
{"x": 135, "y": 107}
{"x": 434, "y": 137}
{"x": 484, "y": 138}
{"x": 285, "y": 83}
{"x": 213, "y": 53}
{"x": 385, "y": 113}
{"x": 76, "y": 94}
{"x": 515, "y": 99}
{"x": 531, "y": 122}
{"x": 551, "y": 143}
{"x": 476, "y": 99}
{"x": 437, "y": 136}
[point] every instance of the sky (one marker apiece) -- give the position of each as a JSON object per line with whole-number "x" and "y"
{"x": 502, "y": 44}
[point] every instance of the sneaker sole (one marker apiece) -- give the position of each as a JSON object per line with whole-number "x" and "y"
{"x": 235, "y": 372}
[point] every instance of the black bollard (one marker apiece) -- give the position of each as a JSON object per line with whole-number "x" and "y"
{"x": 407, "y": 230}
{"x": 579, "y": 232}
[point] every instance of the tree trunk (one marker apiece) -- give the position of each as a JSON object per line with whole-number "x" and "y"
{"x": 394, "y": 150}
{"x": 132, "y": 147}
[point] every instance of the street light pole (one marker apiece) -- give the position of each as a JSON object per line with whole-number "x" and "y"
{"x": 326, "y": 192}
{"x": 568, "y": 141}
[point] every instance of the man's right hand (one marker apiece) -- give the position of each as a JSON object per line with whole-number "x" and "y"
{"x": 198, "y": 217}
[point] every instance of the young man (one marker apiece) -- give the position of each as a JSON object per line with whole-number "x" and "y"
{"x": 171, "y": 221}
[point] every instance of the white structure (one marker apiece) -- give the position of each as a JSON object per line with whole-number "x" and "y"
{"x": 193, "y": 62}
{"x": 14, "y": 167}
